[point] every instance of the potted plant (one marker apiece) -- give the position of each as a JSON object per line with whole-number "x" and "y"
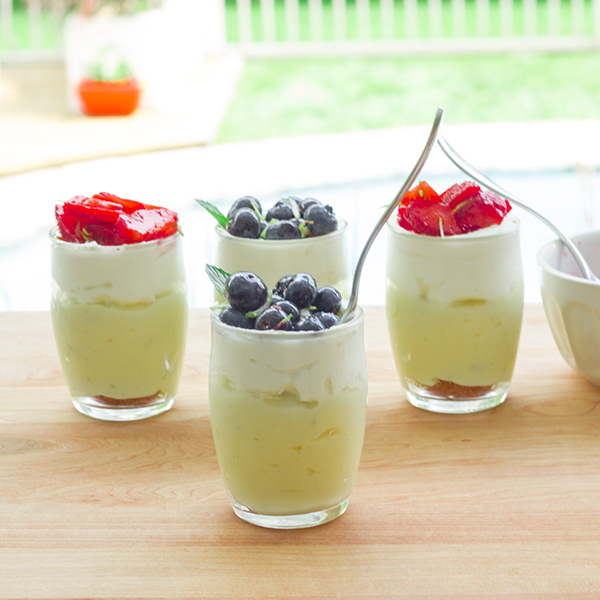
{"x": 109, "y": 87}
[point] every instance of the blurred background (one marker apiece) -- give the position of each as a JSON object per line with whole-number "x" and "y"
{"x": 165, "y": 101}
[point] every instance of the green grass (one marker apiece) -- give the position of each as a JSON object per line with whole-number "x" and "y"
{"x": 308, "y": 96}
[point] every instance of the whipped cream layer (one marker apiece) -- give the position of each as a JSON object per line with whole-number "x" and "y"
{"x": 131, "y": 273}
{"x": 325, "y": 257}
{"x": 288, "y": 413}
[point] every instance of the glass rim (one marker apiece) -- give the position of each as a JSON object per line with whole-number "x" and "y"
{"x": 356, "y": 320}
{"x": 342, "y": 228}
{"x": 95, "y": 247}
{"x": 393, "y": 226}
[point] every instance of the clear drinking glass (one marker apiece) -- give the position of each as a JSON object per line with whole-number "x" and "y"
{"x": 454, "y": 309}
{"x": 288, "y": 412}
{"x": 120, "y": 316}
{"x": 325, "y": 257}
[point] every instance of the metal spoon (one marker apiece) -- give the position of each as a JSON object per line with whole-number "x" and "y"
{"x": 484, "y": 180}
{"x": 353, "y": 300}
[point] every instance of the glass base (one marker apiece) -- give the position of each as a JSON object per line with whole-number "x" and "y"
{"x": 456, "y": 404}
{"x": 312, "y": 519}
{"x": 92, "y": 407}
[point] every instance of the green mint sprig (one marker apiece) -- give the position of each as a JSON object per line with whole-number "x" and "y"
{"x": 213, "y": 211}
{"x": 218, "y": 278}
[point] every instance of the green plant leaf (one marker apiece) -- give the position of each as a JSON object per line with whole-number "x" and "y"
{"x": 213, "y": 211}
{"x": 218, "y": 278}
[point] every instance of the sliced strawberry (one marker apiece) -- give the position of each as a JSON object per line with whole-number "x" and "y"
{"x": 460, "y": 192}
{"x": 423, "y": 191}
{"x": 127, "y": 206}
{"x": 430, "y": 218}
{"x": 109, "y": 220}
{"x": 480, "y": 211}
{"x": 145, "y": 225}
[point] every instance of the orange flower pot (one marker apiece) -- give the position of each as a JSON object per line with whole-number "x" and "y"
{"x": 104, "y": 98}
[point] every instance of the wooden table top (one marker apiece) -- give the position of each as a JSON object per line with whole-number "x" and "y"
{"x": 499, "y": 504}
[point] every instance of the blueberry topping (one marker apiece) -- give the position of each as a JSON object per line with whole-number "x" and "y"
{"x": 306, "y": 203}
{"x": 320, "y": 219}
{"x": 244, "y": 223}
{"x": 235, "y": 318}
{"x": 274, "y": 318}
{"x": 289, "y": 309}
{"x": 328, "y": 319}
{"x": 281, "y": 211}
{"x": 283, "y": 230}
{"x": 245, "y": 202}
{"x": 310, "y": 324}
{"x": 328, "y": 300}
{"x": 301, "y": 290}
{"x": 282, "y": 284}
{"x": 246, "y": 292}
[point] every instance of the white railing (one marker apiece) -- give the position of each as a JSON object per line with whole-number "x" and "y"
{"x": 314, "y": 27}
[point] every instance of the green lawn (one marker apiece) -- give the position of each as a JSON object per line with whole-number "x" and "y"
{"x": 307, "y": 96}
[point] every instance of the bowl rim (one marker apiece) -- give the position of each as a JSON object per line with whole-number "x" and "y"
{"x": 544, "y": 265}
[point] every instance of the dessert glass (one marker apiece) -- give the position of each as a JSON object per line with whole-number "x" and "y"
{"x": 119, "y": 315}
{"x": 288, "y": 412}
{"x": 454, "y": 309}
{"x": 325, "y": 257}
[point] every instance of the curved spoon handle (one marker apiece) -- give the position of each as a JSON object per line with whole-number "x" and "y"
{"x": 353, "y": 301}
{"x": 469, "y": 169}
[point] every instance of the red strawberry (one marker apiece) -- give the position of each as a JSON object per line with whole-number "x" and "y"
{"x": 423, "y": 191}
{"x": 480, "y": 211}
{"x": 430, "y": 218}
{"x": 110, "y": 220}
{"x": 145, "y": 225}
{"x": 459, "y": 192}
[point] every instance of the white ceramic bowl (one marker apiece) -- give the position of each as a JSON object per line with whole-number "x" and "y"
{"x": 572, "y": 303}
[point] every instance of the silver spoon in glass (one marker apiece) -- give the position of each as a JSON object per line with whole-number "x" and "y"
{"x": 353, "y": 300}
{"x": 469, "y": 169}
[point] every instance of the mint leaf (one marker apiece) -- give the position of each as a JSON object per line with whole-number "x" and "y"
{"x": 213, "y": 211}
{"x": 218, "y": 278}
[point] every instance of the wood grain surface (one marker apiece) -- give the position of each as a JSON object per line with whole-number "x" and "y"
{"x": 499, "y": 504}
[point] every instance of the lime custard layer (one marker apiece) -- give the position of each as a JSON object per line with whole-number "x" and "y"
{"x": 455, "y": 305}
{"x": 288, "y": 413}
{"x": 120, "y": 317}
{"x": 324, "y": 257}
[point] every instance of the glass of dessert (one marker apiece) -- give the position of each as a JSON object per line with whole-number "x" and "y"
{"x": 119, "y": 306}
{"x": 288, "y": 400}
{"x": 454, "y": 298}
{"x": 295, "y": 235}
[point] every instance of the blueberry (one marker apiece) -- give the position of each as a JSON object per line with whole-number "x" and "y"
{"x": 306, "y": 203}
{"x": 245, "y": 202}
{"x": 244, "y": 223}
{"x": 323, "y": 219}
{"x": 289, "y": 309}
{"x": 310, "y": 323}
{"x": 246, "y": 292}
{"x": 273, "y": 318}
{"x": 328, "y": 300}
{"x": 281, "y": 211}
{"x": 283, "y": 230}
{"x": 301, "y": 290}
{"x": 235, "y": 318}
{"x": 328, "y": 319}
{"x": 282, "y": 284}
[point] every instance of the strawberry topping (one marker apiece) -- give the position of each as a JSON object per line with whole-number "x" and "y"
{"x": 109, "y": 220}
{"x": 462, "y": 208}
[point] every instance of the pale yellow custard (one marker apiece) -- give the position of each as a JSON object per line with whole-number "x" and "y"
{"x": 288, "y": 413}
